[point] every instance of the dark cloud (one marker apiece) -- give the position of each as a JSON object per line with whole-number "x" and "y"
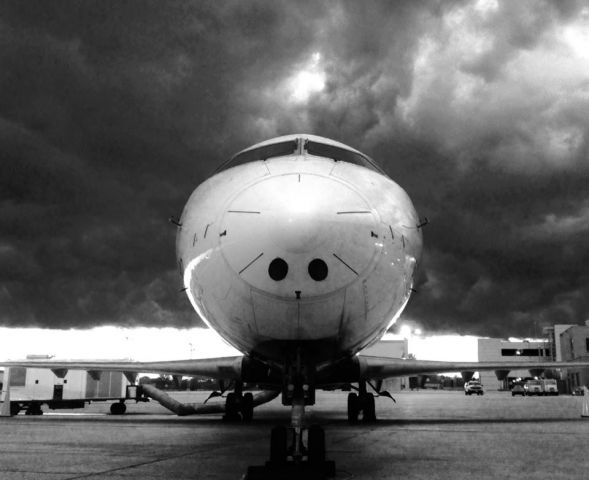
{"x": 112, "y": 112}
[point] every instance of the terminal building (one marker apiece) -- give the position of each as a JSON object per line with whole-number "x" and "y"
{"x": 574, "y": 345}
{"x": 560, "y": 343}
{"x": 497, "y": 350}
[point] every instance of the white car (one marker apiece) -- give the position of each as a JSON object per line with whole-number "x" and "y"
{"x": 473, "y": 387}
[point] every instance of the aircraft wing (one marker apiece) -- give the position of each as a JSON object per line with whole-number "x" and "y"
{"x": 222, "y": 368}
{"x": 382, "y": 367}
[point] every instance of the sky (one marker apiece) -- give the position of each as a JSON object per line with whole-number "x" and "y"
{"x": 111, "y": 113}
{"x": 169, "y": 343}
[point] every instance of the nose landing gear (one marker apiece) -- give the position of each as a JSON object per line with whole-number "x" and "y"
{"x": 293, "y": 458}
{"x": 296, "y": 451}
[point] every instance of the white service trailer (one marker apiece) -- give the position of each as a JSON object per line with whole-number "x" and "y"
{"x": 30, "y": 388}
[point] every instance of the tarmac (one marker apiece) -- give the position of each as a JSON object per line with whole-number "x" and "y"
{"x": 424, "y": 435}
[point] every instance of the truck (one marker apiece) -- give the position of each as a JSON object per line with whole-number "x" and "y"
{"x": 533, "y": 387}
{"x": 549, "y": 386}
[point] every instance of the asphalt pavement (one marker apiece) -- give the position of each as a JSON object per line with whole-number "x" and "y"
{"x": 424, "y": 435}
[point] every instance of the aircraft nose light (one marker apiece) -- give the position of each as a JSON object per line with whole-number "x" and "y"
{"x": 318, "y": 269}
{"x": 278, "y": 269}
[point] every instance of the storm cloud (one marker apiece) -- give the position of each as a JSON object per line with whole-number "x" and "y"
{"x": 111, "y": 113}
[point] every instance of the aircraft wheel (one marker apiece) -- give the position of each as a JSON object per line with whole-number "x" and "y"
{"x": 278, "y": 445}
{"x": 232, "y": 408}
{"x": 368, "y": 408}
{"x": 353, "y": 407}
{"x": 14, "y": 408}
{"x": 316, "y": 444}
{"x": 118, "y": 408}
{"x": 247, "y": 407}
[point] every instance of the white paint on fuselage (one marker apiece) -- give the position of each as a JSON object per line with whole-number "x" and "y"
{"x": 299, "y": 208}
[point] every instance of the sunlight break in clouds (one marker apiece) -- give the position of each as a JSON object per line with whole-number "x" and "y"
{"x": 141, "y": 344}
{"x": 309, "y": 80}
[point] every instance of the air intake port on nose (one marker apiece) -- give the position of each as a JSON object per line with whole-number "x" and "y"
{"x": 318, "y": 269}
{"x": 278, "y": 269}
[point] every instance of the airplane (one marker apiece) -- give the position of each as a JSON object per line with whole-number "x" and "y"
{"x": 300, "y": 251}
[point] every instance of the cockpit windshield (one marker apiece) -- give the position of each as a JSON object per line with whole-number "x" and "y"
{"x": 339, "y": 154}
{"x": 291, "y": 147}
{"x": 262, "y": 153}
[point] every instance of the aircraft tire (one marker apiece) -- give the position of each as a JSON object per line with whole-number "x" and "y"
{"x": 278, "y": 444}
{"x": 247, "y": 407}
{"x": 316, "y": 444}
{"x": 369, "y": 408}
{"x": 14, "y": 408}
{"x": 353, "y": 407}
{"x": 232, "y": 410}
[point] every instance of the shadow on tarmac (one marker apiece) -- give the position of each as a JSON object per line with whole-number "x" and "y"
{"x": 282, "y": 419}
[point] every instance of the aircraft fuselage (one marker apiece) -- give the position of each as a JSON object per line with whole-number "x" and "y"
{"x": 299, "y": 249}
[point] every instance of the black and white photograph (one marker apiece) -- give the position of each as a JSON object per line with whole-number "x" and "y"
{"x": 311, "y": 240}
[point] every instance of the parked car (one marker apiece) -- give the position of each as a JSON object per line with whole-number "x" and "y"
{"x": 474, "y": 386}
{"x": 518, "y": 389}
{"x": 579, "y": 391}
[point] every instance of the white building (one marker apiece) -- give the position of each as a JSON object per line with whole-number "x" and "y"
{"x": 497, "y": 350}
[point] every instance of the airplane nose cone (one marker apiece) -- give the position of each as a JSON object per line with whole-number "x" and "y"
{"x": 299, "y": 232}
{"x": 299, "y": 221}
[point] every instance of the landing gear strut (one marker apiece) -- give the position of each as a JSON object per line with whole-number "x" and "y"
{"x": 291, "y": 457}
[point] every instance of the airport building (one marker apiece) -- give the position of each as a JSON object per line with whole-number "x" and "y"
{"x": 574, "y": 343}
{"x": 561, "y": 343}
{"x": 497, "y": 350}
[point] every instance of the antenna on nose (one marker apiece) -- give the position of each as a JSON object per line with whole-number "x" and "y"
{"x": 174, "y": 221}
{"x": 424, "y": 223}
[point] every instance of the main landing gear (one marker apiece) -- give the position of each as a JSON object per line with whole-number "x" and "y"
{"x": 363, "y": 402}
{"x": 239, "y": 407}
